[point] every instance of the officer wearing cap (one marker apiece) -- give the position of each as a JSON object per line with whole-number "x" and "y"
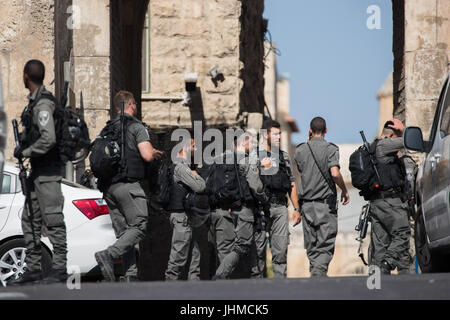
{"x": 278, "y": 180}
{"x": 39, "y": 143}
{"x": 390, "y": 229}
{"x": 318, "y": 162}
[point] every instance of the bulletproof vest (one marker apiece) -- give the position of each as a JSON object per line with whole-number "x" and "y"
{"x": 133, "y": 167}
{"x": 178, "y": 192}
{"x": 31, "y": 133}
{"x": 277, "y": 184}
{"x": 392, "y": 175}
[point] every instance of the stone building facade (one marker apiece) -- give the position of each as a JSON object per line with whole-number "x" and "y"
{"x": 103, "y": 39}
{"x": 421, "y": 46}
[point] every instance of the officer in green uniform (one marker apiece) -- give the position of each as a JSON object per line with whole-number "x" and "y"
{"x": 390, "y": 229}
{"x": 38, "y": 142}
{"x": 185, "y": 247}
{"x": 318, "y": 162}
{"x": 278, "y": 180}
{"x": 252, "y": 192}
{"x": 124, "y": 193}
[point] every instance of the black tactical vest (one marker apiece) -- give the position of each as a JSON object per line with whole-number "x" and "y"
{"x": 392, "y": 175}
{"x": 177, "y": 194}
{"x": 278, "y": 184}
{"x": 31, "y": 133}
{"x": 133, "y": 167}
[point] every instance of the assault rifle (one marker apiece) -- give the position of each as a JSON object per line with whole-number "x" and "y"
{"x": 122, "y": 135}
{"x": 372, "y": 160}
{"x": 23, "y": 180}
{"x": 362, "y": 227}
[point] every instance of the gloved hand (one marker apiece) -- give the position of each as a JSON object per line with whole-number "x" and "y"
{"x": 18, "y": 153}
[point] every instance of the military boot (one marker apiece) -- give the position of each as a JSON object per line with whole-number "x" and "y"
{"x": 55, "y": 276}
{"x": 28, "y": 277}
{"x": 106, "y": 264}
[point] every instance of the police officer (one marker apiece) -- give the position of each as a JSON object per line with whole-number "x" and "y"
{"x": 318, "y": 162}
{"x": 124, "y": 194}
{"x": 278, "y": 180}
{"x": 251, "y": 192}
{"x": 390, "y": 229}
{"x": 184, "y": 247}
{"x": 39, "y": 144}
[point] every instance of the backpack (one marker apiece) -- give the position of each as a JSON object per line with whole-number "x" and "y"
{"x": 222, "y": 185}
{"x": 164, "y": 182}
{"x": 362, "y": 171}
{"x": 72, "y": 136}
{"x": 105, "y": 152}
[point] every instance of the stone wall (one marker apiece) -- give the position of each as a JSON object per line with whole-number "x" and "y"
{"x": 195, "y": 36}
{"x": 421, "y": 58}
{"x": 27, "y": 32}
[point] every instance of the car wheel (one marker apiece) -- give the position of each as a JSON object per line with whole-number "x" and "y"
{"x": 12, "y": 260}
{"x": 429, "y": 261}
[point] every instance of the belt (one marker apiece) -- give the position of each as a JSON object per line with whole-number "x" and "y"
{"x": 386, "y": 195}
{"x": 315, "y": 200}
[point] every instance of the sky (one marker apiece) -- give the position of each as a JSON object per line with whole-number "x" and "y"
{"x": 335, "y": 63}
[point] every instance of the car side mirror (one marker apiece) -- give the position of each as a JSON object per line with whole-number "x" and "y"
{"x": 413, "y": 139}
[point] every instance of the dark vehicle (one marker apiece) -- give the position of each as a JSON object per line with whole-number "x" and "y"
{"x": 432, "y": 221}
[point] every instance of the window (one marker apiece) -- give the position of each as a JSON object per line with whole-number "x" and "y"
{"x": 437, "y": 113}
{"x": 6, "y": 185}
{"x": 146, "y": 55}
{"x": 445, "y": 120}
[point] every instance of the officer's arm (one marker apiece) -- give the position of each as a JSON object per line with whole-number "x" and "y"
{"x": 333, "y": 164}
{"x": 43, "y": 117}
{"x": 185, "y": 175}
{"x": 254, "y": 181}
{"x": 147, "y": 152}
{"x": 389, "y": 146}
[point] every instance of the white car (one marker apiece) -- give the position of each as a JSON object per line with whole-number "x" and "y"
{"x": 88, "y": 225}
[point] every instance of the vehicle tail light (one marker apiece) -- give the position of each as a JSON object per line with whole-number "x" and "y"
{"x": 91, "y": 208}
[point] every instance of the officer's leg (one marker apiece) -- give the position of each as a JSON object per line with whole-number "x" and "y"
{"x": 51, "y": 201}
{"x": 181, "y": 243}
{"x": 379, "y": 237}
{"x": 225, "y": 235}
{"x": 397, "y": 225}
{"x": 30, "y": 227}
{"x": 279, "y": 239}
{"x": 310, "y": 235}
{"x": 326, "y": 237}
{"x": 194, "y": 265}
{"x": 258, "y": 253}
{"x": 242, "y": 244}
{"x": 132, "y": 204}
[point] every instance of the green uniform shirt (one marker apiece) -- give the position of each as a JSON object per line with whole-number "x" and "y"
{"x": 43, "y": 117}
{"x": 313, "y": 186}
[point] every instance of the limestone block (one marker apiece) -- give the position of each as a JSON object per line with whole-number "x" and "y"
{"x": 193, "y": 9}
{"x": 425, "y": 71}
{"x": 420, "y": 25}
{"x": 92, "y": 82}
{"x": 443, "y": 24}
{"x": 164, "y": 9}
{"x": 421, "y": 114}
{"x": 92, "y": 38}
{"x": 95, "y": 121}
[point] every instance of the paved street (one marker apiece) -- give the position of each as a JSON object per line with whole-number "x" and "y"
{"x": 429, "y": 286}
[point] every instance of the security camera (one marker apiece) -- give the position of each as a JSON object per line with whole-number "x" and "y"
{"x": 190, "y": 79}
